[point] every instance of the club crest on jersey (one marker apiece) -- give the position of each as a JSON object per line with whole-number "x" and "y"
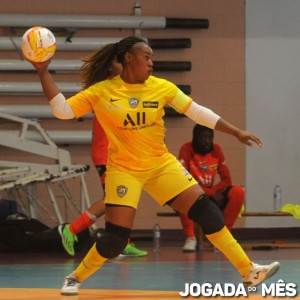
{"x": 121, "y": 190}
{"x": 133, "y": 102}
{"x": 204, "y": 168}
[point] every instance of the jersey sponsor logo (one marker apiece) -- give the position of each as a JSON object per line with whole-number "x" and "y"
{"x": 213, "y": 167}
{"x": 112, "y": 107}
{"x": 150, "y": 104}
{"x": 202, "y": 162}
{"x": 133, "y": 102}
{"x": 137, "y": 119}
{"x": 140, "y": 127}
{"x": 121, "y": 190}
{"x": 206, "y": 179}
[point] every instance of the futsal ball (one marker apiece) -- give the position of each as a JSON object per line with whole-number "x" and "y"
{"x": 38, "y": 44}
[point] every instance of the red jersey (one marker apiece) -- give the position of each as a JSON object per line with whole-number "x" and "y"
{"x": 99, "y": 150}
{"x": 204, "y": 168}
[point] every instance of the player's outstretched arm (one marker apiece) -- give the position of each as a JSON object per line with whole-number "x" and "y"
{"x": 204, "y": 116}
{"x": 243, "y": 136}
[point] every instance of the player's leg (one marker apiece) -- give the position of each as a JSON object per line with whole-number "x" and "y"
{"x": 68, "y": 232}
{"x": 236, "y": 196}
{"x": 119, "y": 216}
{"x": 94, "y": 212}
{"x": 210, "y": 218}
{"x": 190, "y": 244}
{"x": 119, "y": 220}
{"x": 177, "y": 188}
{"x": 88, "y": 218}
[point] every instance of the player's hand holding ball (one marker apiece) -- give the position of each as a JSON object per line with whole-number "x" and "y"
{"x": 38, "y": 44}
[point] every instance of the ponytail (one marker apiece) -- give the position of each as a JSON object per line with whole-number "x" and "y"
{"x": 95, "y": 67}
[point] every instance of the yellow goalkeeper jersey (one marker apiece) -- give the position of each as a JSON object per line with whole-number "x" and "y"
{"x": 132, "y": 118}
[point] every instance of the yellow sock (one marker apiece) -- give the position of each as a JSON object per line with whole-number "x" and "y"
{"x": 224, "y": 241}
{"x": 90, "y": 264}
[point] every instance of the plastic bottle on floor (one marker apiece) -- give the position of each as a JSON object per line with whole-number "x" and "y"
{"x": 156, "y": 238}
{"x": 277, "y": 198}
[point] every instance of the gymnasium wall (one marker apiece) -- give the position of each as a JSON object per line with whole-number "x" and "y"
{"x": 272, "y": 92}
{"x": 217, "y": 80}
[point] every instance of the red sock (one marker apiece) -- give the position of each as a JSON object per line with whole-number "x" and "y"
{"x": 236, "y": 197}
{"x": 84, "y": 221}
{"x": 187, "y": 225}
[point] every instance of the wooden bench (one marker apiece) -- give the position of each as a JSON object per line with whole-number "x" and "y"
{"x": 198, "y": 230}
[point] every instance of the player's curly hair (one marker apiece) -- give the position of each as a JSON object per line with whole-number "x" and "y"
{"x": 95, "y": 67}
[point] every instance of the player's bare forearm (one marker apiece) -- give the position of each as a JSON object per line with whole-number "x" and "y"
{"x": 49, "y": 86}
{"x": 243, "y": 136}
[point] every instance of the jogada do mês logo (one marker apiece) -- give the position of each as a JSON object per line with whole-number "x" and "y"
{"x": 276, "y": 289}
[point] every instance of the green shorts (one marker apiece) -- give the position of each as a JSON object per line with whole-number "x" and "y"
{"x": 163, "y": 184}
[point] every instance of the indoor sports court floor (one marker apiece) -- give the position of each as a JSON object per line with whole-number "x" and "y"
{"x": 160, "y": 276}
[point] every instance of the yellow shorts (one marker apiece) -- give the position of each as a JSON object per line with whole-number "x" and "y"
{"x": 163, "y": 184}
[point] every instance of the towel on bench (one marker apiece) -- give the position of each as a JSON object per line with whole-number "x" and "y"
{"x": 293, "y": 209}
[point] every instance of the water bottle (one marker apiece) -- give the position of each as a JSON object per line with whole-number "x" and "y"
{"x": 277, "y": 198}
{"x": 156, "y": 238}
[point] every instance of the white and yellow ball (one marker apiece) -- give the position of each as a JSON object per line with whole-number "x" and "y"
{"x": 38, "y": 44}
